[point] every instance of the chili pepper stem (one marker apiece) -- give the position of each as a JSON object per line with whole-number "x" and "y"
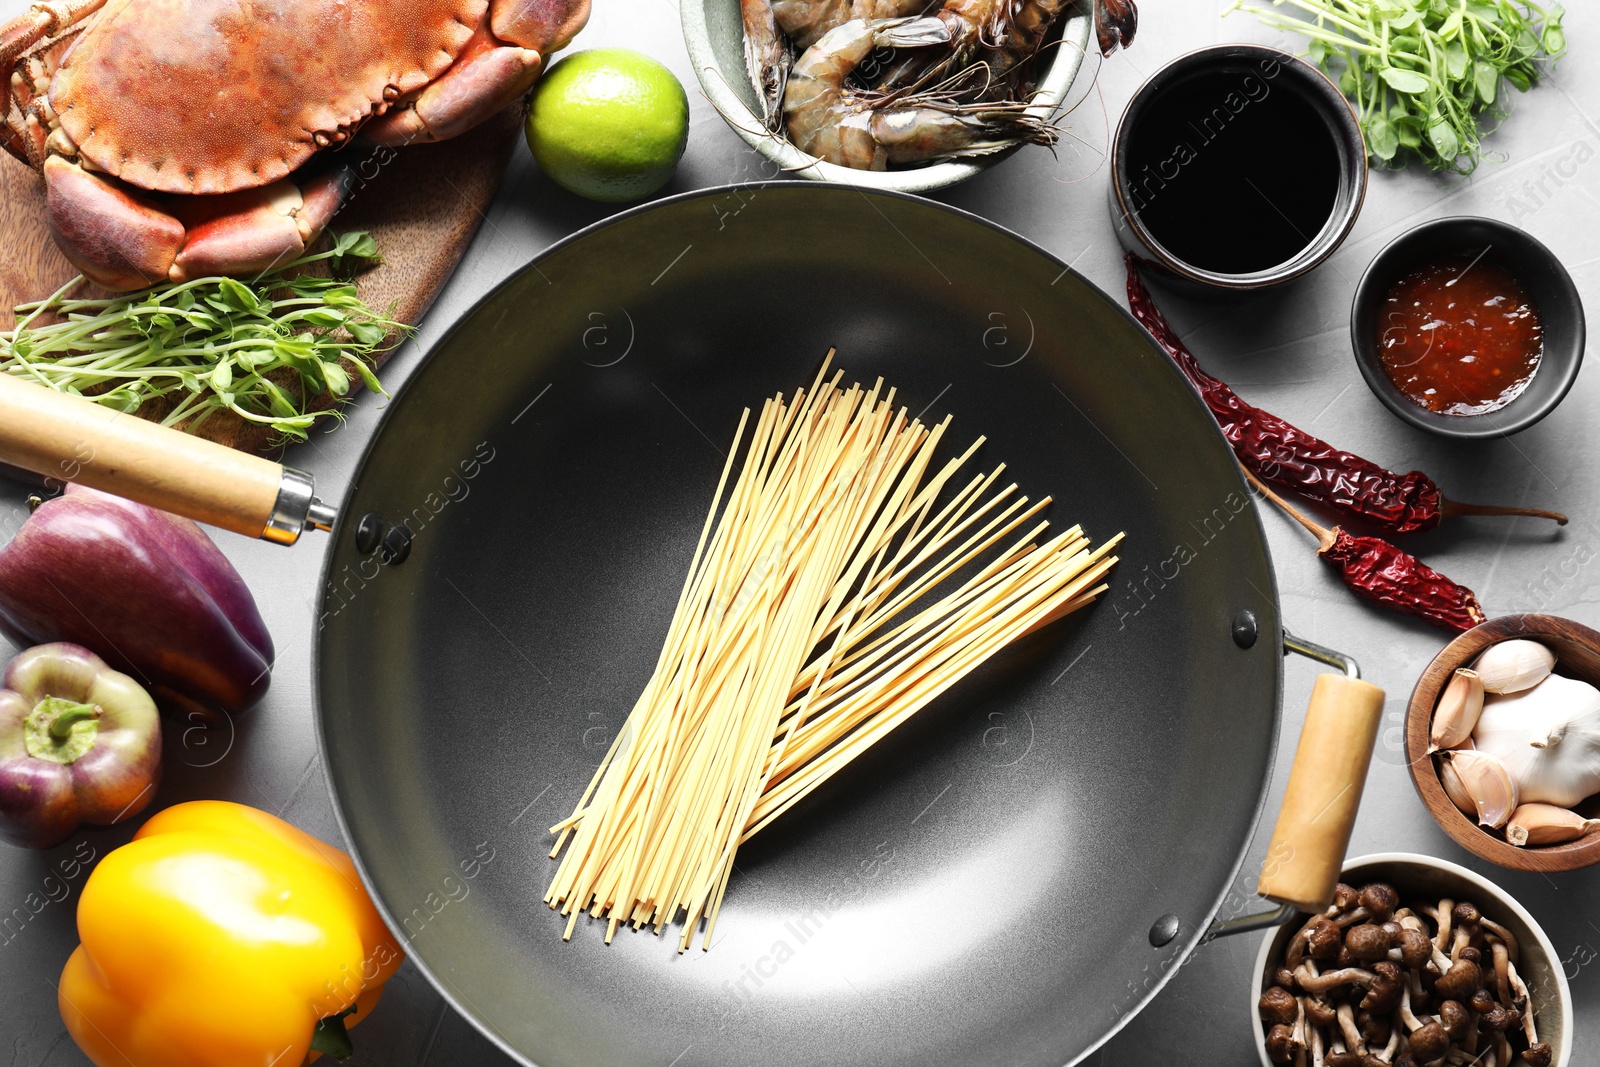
{"x": 1452, "y": 508}
{"x": 1324, "y": 536}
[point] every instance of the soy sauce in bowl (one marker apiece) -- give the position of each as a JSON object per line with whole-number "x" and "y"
{"x": 1236, "y": 167}
{"x": 1232, "y": 174}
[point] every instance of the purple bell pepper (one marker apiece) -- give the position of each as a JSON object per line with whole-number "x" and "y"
{"x": 147, "y": 591}
{"x": 79, "y": 742}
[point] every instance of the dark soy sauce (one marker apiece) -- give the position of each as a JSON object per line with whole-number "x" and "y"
{"x": 1232, "y": 171}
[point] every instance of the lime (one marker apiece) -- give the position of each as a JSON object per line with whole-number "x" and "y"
{"x": 608, "y": 124}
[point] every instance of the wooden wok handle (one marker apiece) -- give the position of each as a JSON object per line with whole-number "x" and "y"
{"x": 75, "y": 440}
{"x": 1324, "y": 791}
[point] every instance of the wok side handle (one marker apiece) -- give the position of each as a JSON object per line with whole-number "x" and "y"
{"x": 70, "y": 439}
{"x": 1324, "y": 792}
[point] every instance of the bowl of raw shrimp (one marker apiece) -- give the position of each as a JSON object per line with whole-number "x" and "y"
{"x": 874, "y": 98}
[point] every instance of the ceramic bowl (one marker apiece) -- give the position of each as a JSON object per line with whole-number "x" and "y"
{"x": 1577, "y": 650}
{"x": 1525, "y": 258}
{"x": 714, "y": 35}
{"x": 1425, "y": 878}
{"x": 1260, "y": 71}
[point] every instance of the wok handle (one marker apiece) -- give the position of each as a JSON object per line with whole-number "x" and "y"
{"x": 1324, "y": 792}
{"x": 72, "y": 439}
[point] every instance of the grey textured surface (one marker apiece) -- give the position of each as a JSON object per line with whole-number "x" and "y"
{"x": 1288, "y": 351}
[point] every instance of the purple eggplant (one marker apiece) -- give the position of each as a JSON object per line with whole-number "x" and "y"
{"x": 147, "y": 591}
{"x": 79, "y": 742}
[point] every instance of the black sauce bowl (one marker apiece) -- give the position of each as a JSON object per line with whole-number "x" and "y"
{"x": 1279, "y": 71}
{"x": 1524, "y": 258}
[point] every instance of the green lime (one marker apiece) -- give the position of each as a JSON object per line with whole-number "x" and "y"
{"x": 608, "y": 124}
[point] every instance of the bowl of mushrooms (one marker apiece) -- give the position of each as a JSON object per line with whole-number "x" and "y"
{"x": 1503, "y": 742}
{"x": 1417, "y": 962}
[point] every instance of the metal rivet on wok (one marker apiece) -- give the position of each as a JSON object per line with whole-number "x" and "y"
{"x": 369, "y": 533}
{"x": 1163, "y": 930}
{"x": 1245, "y": 628}
{"x": 396, "y": 546}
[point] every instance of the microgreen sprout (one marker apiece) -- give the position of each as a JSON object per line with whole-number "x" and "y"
{"x": 1421, "y": 72}
{"x": 266, "y": 349}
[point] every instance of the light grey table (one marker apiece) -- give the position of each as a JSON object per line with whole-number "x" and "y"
{"x": 1288, "y": 351}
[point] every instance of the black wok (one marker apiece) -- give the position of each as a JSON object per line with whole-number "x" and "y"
{"x": 1008, "y": 878}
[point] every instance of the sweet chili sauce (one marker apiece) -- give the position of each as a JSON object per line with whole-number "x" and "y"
{"x": 1460, "y": 336}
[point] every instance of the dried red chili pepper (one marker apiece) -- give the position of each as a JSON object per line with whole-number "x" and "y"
{"x": 1377, "y": 570}
{"x": 1281, "y": 453}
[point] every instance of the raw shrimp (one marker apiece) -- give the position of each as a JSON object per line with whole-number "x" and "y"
{"x": 766, "y": 57}
{"x": 1115, "y": 22}
{"x": 869, "y": 130}
{"x": 805, "y": 21}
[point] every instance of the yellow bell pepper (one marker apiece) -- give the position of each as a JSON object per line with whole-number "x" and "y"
{"x": 221, "y": 936}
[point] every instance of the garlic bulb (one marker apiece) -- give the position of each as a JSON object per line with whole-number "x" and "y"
{"x": 1512, "y": 666}
{"x": 1548, "y": 737}
{"x": 1486, "y": 782}
{"x": 1457, "y": 712}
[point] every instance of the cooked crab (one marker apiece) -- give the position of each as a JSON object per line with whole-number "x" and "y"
{"x": 176, "y": 137}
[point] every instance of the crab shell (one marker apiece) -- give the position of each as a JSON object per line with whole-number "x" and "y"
{"x": 213, "y": 96}
{"x": 123, "y": 103}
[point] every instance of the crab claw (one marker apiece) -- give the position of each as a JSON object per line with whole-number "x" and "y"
{"x": 486, "y": 78}
{"x": 255, "y": 229}
{"x": 116, "y": 239}
{"x": 544, "y": 25}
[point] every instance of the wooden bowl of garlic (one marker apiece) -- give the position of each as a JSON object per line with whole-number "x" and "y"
{"x": 1503, "y": 742}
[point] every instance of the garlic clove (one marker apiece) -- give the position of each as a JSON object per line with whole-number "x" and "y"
{"x": 1456, "y": 791}
{"x": 1546, "y": 824}
{"x": 1487, "y": 782}
{"x": 1458, "y": 710}
{"x": 1512, "y": 666}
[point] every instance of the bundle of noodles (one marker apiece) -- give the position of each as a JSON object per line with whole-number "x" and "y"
{"x": 831, "y": 596}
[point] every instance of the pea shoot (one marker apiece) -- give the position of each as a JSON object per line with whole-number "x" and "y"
{"x": 269, "y": 349}
{"x": 1421, "y": 73}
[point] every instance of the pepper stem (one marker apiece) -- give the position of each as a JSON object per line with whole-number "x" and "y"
{"x": 1451, "y": 508}
{"x": 68, "y": 712}
{"x": 1323, "y": 535}
{"x": 330, "y": 1037}
{"x": 50, "y": 731}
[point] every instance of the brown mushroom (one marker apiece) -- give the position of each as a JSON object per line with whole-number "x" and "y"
{"x": 1277, "y": 1005}
{"x": 1441, "y": 917}
{"x": 1284, "y": 977}
{"x": 1538, "y": 1055}
{"x": 1502, "y": 969}
{"x": 1280, "y": 1044}
{"x": 1368, "y": 942}
{"x": 1323, "y": 941}
{"x": 1345, "y": 1058}
{"x": 1510, "y": 939}
{"x": 1461, "y": 981}
{"x": 1455, "y": 1019}
{"x": 1321, "y": 983}
{"x": 1380, "y": 900}
{"x": 1482, "y": 1001}
{"x": 1524, "y": 999}
{"x": 1375, "y": 1029}
{"x": 1470, "y": 953}
{"x": 1352, "y": 1033}
{"x": 1429, "y": 1042}
{"x": 1415, "y": 948}
{"x": 1345, "y": 897}
{"x": 1383, "y": 993}
{"x": 1495, "y": 1020}
{"x": 1319, "y": 1012}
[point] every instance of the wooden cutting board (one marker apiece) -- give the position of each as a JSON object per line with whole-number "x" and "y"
{"x": 422, "y": 204}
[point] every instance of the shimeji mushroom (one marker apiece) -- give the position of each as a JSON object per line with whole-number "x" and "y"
{"x": 1502, "y": 969}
